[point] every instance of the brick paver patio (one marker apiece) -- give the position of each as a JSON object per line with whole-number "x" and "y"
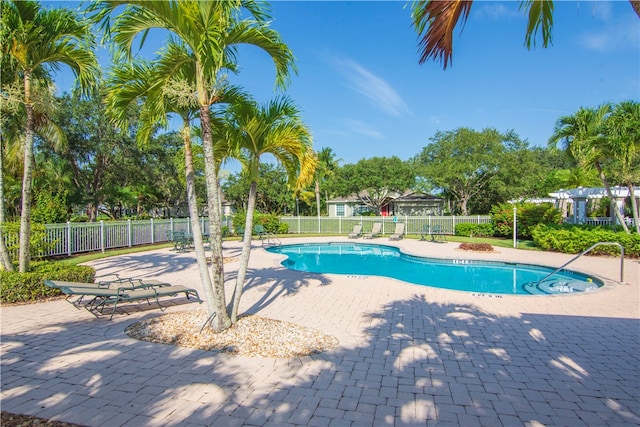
{"x": 408, "y": 355}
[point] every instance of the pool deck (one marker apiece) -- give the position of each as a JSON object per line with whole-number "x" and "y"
{"x": 408, "y": 355}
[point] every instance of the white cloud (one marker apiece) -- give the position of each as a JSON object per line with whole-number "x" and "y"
{"x": 362, "y": 128}
{"x": 435, "y": 119}
{"x": 364, "y": 82}
{"x": 623, "y": 35}
{"x": 494, "y": 10}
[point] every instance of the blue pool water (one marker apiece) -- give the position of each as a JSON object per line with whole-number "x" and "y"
{"x": 464, "y": 275}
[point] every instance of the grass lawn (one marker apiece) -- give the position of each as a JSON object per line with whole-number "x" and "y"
{"x": 494, "y": 241}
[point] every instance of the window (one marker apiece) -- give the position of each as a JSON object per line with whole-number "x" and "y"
{"x": 340, "y": 209}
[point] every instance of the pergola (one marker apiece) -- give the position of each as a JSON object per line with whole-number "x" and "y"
{"x": 579, "y": 197}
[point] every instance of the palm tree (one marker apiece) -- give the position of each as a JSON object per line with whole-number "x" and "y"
{"x": 211, "y": 30}
{"x": 150, "y": 83}
{"x": 583, "y": 136}
{"x": 327, "y": 166}
{"x": 623, "y": 126}
{"x": 435, "y": 21}
{"x": 37, "y": 41}
{"x": 164, "y": 86}
{"x": 275, "y": 129}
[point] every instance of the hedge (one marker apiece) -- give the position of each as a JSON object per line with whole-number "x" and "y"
{"x": 573, "y": 239}
{"x": 474, "y": 230}
{"x": 29, "y": 287}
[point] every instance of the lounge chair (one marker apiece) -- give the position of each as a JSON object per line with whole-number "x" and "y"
{"x": 376, "y": 231}
{"x": 356, "y": 232}
{"x": 100, "y": 297}
{"x": 399, "y": 232}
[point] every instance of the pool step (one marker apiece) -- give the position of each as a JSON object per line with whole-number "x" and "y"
{"x": 560, "y": 286}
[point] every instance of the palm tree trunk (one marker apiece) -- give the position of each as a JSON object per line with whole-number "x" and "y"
{"x": 5, "y": 257}
{"x": 318, "y": 197}
{"x": 216, "y": 302}
{"x": 603, "y": 178}
{"x": 198, "y": 242}
{"x": 24, "y": 254}
{"x": 246, "y": 251}
{"x": 634, "y": 207}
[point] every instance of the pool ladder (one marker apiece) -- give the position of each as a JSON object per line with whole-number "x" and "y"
{"x": 584, "y": 253}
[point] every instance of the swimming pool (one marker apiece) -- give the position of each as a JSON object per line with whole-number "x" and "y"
{"x": 458, "y": 274}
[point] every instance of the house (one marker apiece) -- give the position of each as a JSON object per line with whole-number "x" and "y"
{"x": 416, "y": 203}
{"x": 411, "y": 203}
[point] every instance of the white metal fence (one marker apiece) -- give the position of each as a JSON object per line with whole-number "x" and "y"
{"x": 344, "y": 225}
{"x": 72, "y": 238}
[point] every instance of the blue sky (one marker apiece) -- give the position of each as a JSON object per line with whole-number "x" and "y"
{"x": 363, "y": 93}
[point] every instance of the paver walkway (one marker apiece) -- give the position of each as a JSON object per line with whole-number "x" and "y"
{"x": 408, "y": 355}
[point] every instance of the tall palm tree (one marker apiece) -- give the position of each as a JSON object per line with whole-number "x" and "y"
{"x": 275, "y": 129}
{"x": 623, "y": 126}
{"x": 150, "y": 84}
{"x": 436, "y": 20}
{"x": 583, "y": 137}
{"x": 164, "y": 86}
{"x": 36, "y": 41}
{"x": 13, "y": 125}
{"x": 327, "y": 166}
{"x": 211, "y": 30}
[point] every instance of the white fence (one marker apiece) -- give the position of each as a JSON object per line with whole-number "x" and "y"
{"x": 344, "y": 225}
{"x": 72, "y": 238}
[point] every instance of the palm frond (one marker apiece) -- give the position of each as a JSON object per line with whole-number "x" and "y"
{"x": 435, "y": 21}
{"x": 540, "y": 20}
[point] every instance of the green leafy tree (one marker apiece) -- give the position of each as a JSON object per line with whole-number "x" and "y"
{"x": 463, "y": 162}
{"x": 102, "y": 160}
{"x": 36, "y": 41}
{"x": 374, "y": 180}
{"x": 211, "y": 31}
{"x": 255, "y": 131}
{"x": 436, "y": 20}
{"x": 273, "y": 194}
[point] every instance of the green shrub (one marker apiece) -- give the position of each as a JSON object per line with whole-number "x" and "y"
{"x": 573, "y": 239}
{"x": 528, "y": 215}
{"x": 30, "y": 287}
{"x": 39, "y": 243}
{"x": 477, "y": 230}
{"x": 283, "y": 228}
{"x": 270, "y": 222}
{"x": 50, "y": 208}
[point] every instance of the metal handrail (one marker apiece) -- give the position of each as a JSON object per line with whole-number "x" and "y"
{"x": 585, "y": 252}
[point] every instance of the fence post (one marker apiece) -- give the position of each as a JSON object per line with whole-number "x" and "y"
{"x": 102, "y": 243}
{"x": 69, "y": 248}
{"x": 152, "y": 232}
{"x": 298, "y": 224}
{"x": 171, "y": 228}
{"x": 129, "y": 231}
{"x": 319, "y": 228}
{"x": 339, "y": 225}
